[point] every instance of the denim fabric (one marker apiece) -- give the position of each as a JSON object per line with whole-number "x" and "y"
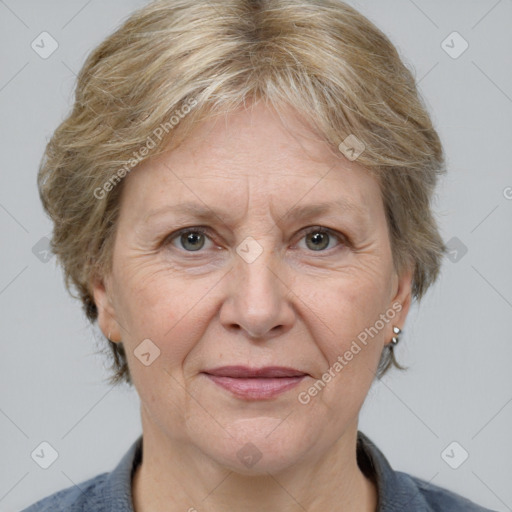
{"x": 398, "y": 491}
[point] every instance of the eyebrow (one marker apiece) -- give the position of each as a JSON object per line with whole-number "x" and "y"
{"x": 203, "y": 212}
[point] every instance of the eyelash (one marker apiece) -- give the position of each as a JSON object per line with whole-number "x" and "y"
{"x": 312, "y": 229}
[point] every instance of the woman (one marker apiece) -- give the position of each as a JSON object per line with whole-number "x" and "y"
{"x": 241, "y": 197}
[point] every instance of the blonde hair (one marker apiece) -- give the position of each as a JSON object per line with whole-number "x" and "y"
{"x": 188, "y": 59}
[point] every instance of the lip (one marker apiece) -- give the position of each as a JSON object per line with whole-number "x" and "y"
{"x": 244, "y": 372}
{"x": 255, "y": 383}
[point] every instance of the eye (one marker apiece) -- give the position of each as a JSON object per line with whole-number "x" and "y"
{"x": 318, "y": 238}
{"x": 194, "y": 239}
{"x": 190, "y": 239}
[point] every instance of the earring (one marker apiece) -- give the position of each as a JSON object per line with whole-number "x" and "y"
{"x": 395, "y": 339}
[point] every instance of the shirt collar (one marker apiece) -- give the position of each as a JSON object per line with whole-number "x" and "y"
{"x": 118, "y": 490}
{"x": 395, "y": 491}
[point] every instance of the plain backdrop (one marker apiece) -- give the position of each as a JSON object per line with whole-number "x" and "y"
{"x": 457, "y": 343}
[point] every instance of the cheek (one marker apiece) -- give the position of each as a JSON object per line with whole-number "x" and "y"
{"x": 352, "y": 308}
{"x": 167, "y": 308}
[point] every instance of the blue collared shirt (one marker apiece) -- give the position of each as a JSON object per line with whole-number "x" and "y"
{"x": 397, "y": 491}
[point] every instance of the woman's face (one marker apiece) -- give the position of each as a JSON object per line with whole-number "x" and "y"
{"x": 255, "y": 290}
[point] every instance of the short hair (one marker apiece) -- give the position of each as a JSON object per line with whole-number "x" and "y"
{"x": 173, "y": 63}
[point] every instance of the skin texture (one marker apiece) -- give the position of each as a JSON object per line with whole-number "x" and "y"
{"x": 292, "y": 306}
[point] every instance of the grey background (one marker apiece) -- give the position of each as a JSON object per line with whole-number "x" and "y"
{"x": 457, "y": 343}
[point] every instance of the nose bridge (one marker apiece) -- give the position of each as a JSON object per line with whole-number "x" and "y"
{"x": 257, "y": 267}
{"x": 258, "y": 295}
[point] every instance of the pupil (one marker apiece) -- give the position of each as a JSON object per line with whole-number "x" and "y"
{"x": 194, "y": 239}
{"x": 318, "y": 239}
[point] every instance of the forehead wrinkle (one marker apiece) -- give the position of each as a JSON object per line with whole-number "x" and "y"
{"x": 224, "y": 212}
{"x": 205, "y": 213}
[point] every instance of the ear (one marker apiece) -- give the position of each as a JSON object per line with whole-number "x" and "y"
{"x": 401, "y": 298}
{"x": 107, "y": 320}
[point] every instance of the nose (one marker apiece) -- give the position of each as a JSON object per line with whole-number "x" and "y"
{"x": 258, "y": 301}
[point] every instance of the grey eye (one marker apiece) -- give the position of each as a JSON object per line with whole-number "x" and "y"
{"x": 317, "y": 240}
{"x": 192, "y": 240}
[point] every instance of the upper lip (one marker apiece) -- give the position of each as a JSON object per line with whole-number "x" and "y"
{"x": 241, "y": 372}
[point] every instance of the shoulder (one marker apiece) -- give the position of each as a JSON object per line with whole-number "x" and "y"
{"x": 85, "y": 496}
{"x": 439, "y": 499}
{"x": 401, "y": 491}
{"x": 102, "y": 493}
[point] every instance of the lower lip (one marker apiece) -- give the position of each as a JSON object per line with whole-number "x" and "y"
{"x": 256, "y": 388}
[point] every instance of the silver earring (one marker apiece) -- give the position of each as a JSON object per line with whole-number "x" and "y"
{"x": 395, "y": 339}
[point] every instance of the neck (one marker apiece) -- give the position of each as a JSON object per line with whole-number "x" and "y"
{"x": 175, "y": 476}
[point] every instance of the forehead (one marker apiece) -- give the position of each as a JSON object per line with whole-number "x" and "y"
{"x": 252, "y": 158}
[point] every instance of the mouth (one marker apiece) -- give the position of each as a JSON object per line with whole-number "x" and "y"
{"x": 255, "y": 383}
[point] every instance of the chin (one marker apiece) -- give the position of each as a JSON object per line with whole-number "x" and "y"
{"x": 256, "y": 446}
